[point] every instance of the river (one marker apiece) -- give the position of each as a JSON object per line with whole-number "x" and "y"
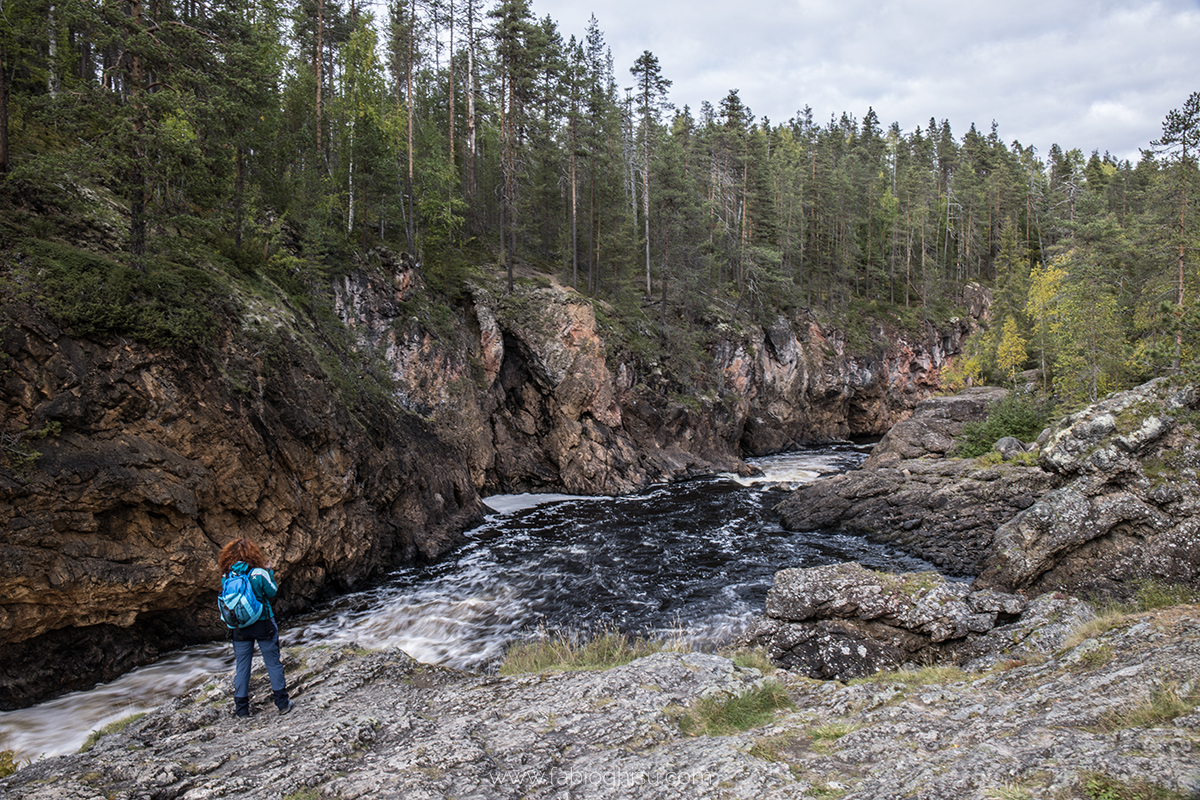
{"x": 689, "y": 561}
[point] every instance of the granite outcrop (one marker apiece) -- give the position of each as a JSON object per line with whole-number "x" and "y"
{"x": 1110, "y": 503}
{"x": 1068, "y": 722}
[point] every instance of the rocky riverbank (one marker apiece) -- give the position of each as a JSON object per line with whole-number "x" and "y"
{"x": 1113, "y": 499}
{"x": 354, "y": 437}
{"x": 1109, "y": 711}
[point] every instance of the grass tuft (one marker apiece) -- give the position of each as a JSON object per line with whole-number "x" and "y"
{"x": 1105, "y": 620}
{"x": 1097, "y": 786}
{"x": 1152, "y": 595}
{"x": 112, "y": 727}
{"x": 8, "y": 763}
{"x": 717, "y": 717}
{"x": 575, "y": 651}
{"x": 1164, "y": 704}
{"x": 754, "y": 658}
{"x": 922, "y": 677}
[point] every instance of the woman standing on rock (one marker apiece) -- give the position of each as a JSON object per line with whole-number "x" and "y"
{"x": 241, "y": 558}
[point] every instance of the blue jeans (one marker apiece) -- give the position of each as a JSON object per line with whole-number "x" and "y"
{"x": 266, "y": 634}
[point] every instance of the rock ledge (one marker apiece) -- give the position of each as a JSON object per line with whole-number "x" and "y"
{"x": 381, "y": 725}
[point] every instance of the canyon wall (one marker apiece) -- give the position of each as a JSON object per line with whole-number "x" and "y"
{"x": 126, "y": 468}
{"x": 108, "y": 555}
{"x": 537, "y": 395}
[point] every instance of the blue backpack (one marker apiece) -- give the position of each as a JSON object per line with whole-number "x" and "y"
{"x": 237, "y": 602}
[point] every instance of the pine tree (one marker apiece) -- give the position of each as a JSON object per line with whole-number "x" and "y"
{"x": 651, "y": 88}
{"x": 512, "y": 30}
{"x": 1181, "y": 141}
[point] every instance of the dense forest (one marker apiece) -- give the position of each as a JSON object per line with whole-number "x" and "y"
{"x": 287, "y": 136}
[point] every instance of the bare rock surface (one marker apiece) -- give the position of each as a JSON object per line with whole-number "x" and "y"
{"x": 1128, "y": 504}
{"x": 844, "y": 621}
{"x": 380, "y": 725}
{"x": 1113, "y": 500}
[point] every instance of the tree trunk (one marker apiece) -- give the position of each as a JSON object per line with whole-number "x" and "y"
{"x": 408, "y": 189}
{"x": 3, "y": 111}
{"x": 646, "y": 198}
{"x": 574, "y": 212}
{"x": 1177, "y": 360}
{"x": 318, "y": 68}
{"x": 238, "y": 193}
{"x": 471, "y": 186}
{"x": 137, "y": 178}
{"x": 450, "y": 92}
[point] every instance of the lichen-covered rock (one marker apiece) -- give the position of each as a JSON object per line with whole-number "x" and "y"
{"x": 1128, "y": 508}
{"x": 380, "y": 725}
{"x": 844, "y": 621}
{"x": 1009, "y": 447}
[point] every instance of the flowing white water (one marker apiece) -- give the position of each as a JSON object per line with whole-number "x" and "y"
{"x": 691, "y": 561}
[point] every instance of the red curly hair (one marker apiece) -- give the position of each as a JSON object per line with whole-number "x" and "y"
{"x": 240, "y": 550}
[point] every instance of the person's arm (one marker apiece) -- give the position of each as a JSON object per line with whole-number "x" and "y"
{"x": 264, "y": 582}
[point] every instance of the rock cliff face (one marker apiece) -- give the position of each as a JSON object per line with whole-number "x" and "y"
{"x": 159, "y": 459}
{"x": 537, "y": 395}
{"x": 149, "y": 461}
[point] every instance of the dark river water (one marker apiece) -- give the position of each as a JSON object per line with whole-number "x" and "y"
{"x": 688, "y": 561}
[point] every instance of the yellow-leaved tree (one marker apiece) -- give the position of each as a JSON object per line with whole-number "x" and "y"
{"x": 1011, "y": 353}
{"x": 1045, "y": 289}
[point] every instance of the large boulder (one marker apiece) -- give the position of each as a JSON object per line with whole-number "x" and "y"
{"x": 933, "y": 426}
{"x": 943, "y": 510}
{"x": 1128, "y": 507}
{"x": 844, "y": 621}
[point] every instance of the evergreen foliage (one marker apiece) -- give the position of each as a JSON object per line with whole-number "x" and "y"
{"x": 228, "y": 139}
{"x": 1018, "y": 415}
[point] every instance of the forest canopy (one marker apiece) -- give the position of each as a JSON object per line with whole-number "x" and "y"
{"x": 462, "y": 131}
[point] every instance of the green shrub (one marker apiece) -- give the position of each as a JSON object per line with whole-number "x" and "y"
{"x": 162, "y": 305}
{"x": 1015, "y": 415}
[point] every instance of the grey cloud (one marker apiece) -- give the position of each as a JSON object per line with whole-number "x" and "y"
{"x": 1092, "y": 74}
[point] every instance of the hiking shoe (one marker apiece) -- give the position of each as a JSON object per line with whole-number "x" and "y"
{"x": 287, "y": 708}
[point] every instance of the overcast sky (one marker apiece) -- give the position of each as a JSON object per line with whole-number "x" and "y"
{"x": 1092, "y": 74}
